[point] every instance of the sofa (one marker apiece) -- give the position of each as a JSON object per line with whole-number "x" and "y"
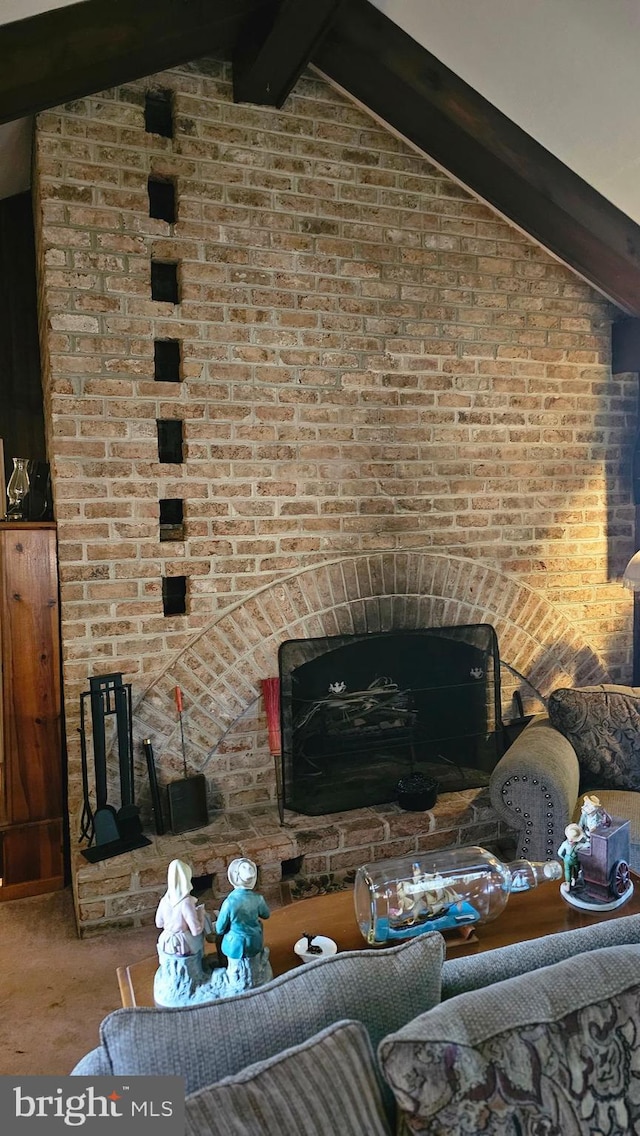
{"x": 538, "y": 1037}
{"x": 588, "y": 741}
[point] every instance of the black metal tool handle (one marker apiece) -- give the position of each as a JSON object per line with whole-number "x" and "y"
{"x": 125, "y": 755}
{"x": 99, "y": 743}
{"x": 86, "y": 820}
{"x": 156, "y": 804}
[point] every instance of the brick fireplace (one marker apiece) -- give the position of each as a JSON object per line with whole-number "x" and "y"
{"x": 220, "y": 676}
{"x": 367, "y": 402}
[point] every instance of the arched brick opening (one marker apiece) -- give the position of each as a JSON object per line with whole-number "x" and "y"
{"x": 220, "y": 671}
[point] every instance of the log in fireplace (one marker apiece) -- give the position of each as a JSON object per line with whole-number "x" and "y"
{"x": 360, "y": 712}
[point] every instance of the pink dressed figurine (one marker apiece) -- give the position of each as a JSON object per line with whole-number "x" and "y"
{"x": 183, "y": 920}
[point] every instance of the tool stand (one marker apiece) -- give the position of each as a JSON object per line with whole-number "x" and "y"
{"x": 110, "y": 831}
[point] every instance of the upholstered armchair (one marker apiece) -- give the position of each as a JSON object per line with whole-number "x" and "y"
{"x": 589, "y": 740}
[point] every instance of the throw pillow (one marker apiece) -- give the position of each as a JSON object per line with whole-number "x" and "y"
{"x": 603, "y": 725}
{"x": 381, "y": 988}
{"x": 326, "y": 1086}
{"x": 556, "y": 1051}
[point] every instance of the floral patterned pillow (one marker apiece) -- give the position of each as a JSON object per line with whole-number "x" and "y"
{"x": 552, "y": 1053}
{"x": 603, "y": 725}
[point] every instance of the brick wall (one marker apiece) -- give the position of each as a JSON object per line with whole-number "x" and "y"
{"x": 371, "y": 361}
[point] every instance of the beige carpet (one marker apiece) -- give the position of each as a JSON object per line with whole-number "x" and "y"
{"x": 55, "y": 989}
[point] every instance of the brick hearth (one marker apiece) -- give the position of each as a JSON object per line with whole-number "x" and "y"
{"x": 124, "y": 891}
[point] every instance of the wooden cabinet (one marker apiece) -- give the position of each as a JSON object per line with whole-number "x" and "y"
{"x": 31, "y": 767}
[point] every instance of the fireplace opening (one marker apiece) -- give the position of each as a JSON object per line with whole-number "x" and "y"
{"x": 358, "y": 712}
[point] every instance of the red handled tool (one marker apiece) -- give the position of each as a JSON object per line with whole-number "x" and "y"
{"x": 271, "y": 696}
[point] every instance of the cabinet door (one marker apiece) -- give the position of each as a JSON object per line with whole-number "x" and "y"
{"x": 31, "y": 674}
{"x": 32, "y": 859}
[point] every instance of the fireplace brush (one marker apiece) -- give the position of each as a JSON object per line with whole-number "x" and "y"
{"x": 271, "y": 696}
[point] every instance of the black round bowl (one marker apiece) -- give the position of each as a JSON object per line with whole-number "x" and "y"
{"x": 416, "y": 792}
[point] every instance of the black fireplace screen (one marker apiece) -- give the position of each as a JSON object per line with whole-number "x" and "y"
{"x": 361, "y": 711}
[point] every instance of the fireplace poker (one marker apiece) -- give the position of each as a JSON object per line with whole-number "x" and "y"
{"x": 179, "y": 709}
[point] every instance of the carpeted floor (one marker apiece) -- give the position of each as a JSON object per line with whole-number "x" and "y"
{"x": 55, "y": 989}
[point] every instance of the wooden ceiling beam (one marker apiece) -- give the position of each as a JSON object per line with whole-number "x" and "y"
{"x": 70, "y": 52}
{"x": 272, "y": 53}
{"x": 377, "y": 63}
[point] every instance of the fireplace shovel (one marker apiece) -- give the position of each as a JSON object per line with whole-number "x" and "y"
{"x": 187, "y": 797}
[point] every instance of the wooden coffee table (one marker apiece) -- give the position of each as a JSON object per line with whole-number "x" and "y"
{"x": 529, "y": 915}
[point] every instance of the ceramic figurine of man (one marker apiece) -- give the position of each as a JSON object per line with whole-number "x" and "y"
{"x": 593, "y": 814}
{"x": 575, "y": 839}
{"x": 239, "y": 917}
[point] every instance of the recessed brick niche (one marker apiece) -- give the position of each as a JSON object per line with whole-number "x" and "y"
{"x": 392, "y": 407}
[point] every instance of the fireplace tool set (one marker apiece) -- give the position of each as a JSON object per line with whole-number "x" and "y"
{"x": 111, "y": 831}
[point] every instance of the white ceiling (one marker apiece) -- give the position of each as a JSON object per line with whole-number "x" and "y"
{"x": 19, "y": 9}
{"x": 565, "y": 70}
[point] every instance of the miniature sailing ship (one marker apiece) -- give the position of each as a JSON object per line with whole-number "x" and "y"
{"x": 427, "y": 902}
{"x": 448, "y": 890}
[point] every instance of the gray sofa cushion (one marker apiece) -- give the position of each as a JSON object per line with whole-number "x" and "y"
{"x": 93, "y": 1064}
{"x": 382, "y": 989}
{"x": 326, "y": 1086}
{"x": 603, "y": 725}
{"x": 556, "y": 1051}
{"x": 474, "y": 972}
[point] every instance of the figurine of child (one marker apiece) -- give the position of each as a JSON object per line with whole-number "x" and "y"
{"x": 183, "y": 920}
{"x": 575, "y": 839}
{"x": 593, "y": 814}
{"x": 240, "y": 914}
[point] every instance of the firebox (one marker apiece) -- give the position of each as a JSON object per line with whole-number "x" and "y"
{"x": 360, "y": 712}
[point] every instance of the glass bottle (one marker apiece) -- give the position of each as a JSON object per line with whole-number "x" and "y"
{"x": 439, "y": 891}
{"x": 17, "y": 489}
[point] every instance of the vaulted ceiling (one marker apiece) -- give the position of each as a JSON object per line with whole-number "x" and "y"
{"x": 80, "y": 48}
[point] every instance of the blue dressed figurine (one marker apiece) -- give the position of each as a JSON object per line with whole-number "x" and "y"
{"x": 239, "y": 923}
